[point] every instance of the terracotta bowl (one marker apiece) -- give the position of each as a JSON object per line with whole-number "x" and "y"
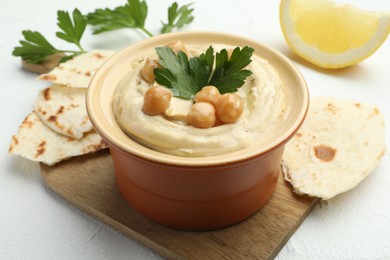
{"x": 194, "y": 193}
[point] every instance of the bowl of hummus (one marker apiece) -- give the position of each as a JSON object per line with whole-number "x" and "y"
{"x": 188, "y": 177}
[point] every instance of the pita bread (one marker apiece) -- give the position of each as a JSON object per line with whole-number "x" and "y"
{"x": 78, "y": 71}
{"x": 37, "y": 142}
{"x": 338, "y": 145}
{"x": 63, "y": 110}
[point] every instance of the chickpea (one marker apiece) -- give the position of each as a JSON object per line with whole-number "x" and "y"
{"x": 229, "y": 108}
{"x": 208, "y": 94}
{"x": 156, "y": 100}
{"x": 147, "y": 71}
{"x": 201, "y": 115}
{"x": 177, "y": 46}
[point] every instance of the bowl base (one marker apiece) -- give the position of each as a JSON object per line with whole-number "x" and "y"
{"x": 198, "y": 215}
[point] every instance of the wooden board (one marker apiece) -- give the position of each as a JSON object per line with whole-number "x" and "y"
{"x": 88, "y": 183}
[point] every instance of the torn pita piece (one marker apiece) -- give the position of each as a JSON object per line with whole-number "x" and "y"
{"x": 339, "y": 144}
{"x": 63, "y": 110}
{"x": 78, "y": 71}
{"x": 37, "y": 142}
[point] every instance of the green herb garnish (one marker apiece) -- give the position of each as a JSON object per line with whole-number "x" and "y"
{"x": 35, "y": 48}
{"x": 229, "y": 74}
{"x": 133, "y": 15}
{"x": 71, "y": 31}
{"x": 185, "y": 77}
{"x": 178, "y": 17}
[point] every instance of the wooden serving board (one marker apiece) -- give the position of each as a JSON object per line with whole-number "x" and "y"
{"x": 88, "y": 183}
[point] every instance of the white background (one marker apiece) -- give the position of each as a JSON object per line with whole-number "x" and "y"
{"x": 37, "y": 224}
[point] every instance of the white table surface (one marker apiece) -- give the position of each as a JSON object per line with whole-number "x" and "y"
{"x": 37, "y": 224}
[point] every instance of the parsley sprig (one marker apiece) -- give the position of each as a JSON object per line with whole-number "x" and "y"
{"x": 185, "y": 77}
{"x": 178, "y": 17}
{"x": 71, "y": 31}
{"x": 35, "y": 48}
{"x": 133, "y": 15}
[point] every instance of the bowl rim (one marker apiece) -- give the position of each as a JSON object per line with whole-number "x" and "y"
{"x": 138, "y": 150}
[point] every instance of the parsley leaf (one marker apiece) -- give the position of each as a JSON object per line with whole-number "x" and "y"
{"x": 185, "y": 77}
{"x": 199, "y": 72}
{"x": 178, "y": 17}
{"x": 131, "y": 15}
{"x": 139, "y": 11}
{"x": 71, "y": 32}
{"x": 229, "y": 74}
{"x": 109, "y": 20}
{"x": 35, "y": 48}
{"x": 178, "y": 74}
{"x": 208, "y": 57}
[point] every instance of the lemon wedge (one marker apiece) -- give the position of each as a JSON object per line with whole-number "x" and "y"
{"x": 332, "y": 35}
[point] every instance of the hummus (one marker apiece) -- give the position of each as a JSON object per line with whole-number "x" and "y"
{"x": 263, "y": 110}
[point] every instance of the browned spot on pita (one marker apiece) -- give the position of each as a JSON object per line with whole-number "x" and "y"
{"x": 52, "y": 119}
{"x": 298, "y": 135}
{"x": 75, "y": 70}
{"x": 46, "y": 94}
{"x": 74, "y": 105}
{"x": 375, "y": 112}
{"x": 381, "y": 155}
{"x": 49, "y": 77}
{"x": 40, "y": 149}
{"x": 324, "y": 153}
{"x": 358, "y": 105}
{"x": 70, "y": 139}
{"x": 86, "y": 119}
{"x": 70, "y": 132}
{"x": 55, "y": 121}
{"x": 92, "y": 131}
{"x": 98, "y": 55}
{"x": 95, "y": 147}
{"x": 39, "y": 110}
{"x": 14, "y": 141}
{"x": 60, "y": 110}
{"x": 27, "y": 123}
{"x": 61, "y": 67}
{"x": 88, "y": 74}
{"x": 331, "y": 108}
